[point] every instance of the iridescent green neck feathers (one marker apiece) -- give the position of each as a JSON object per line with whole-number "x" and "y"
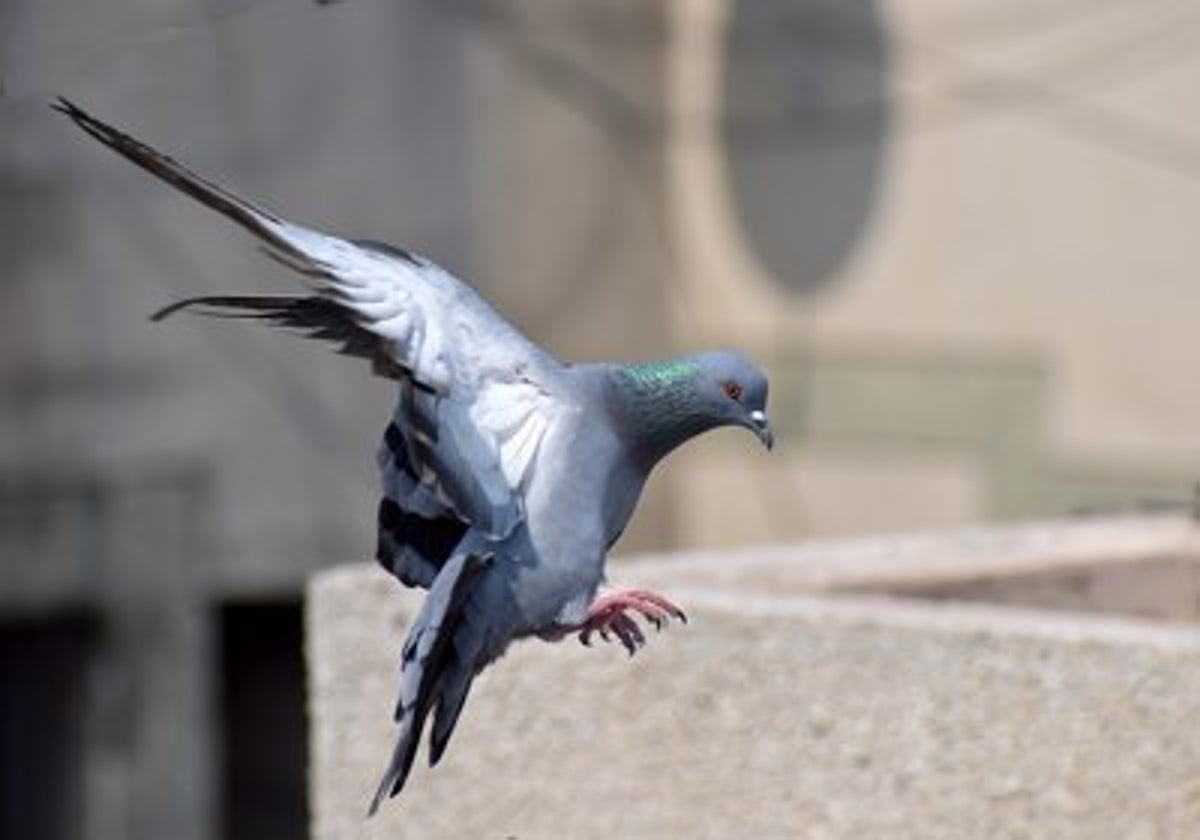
{"x": 662, "y": 406}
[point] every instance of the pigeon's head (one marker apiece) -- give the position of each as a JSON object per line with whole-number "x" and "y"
{"x": 667, "y": 403}
{"x": 734, "y": 392}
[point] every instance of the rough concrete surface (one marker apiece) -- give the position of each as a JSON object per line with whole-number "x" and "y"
{"x": 773, "y": 717}
{"x": 1145, "y": 565}
{"x": 915, "y": 561}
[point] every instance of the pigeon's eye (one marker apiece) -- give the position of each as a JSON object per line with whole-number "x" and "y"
{"x": 733, "y": 391}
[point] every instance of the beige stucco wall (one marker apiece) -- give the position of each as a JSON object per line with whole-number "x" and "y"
{"x": 1036, "y": 204}
{"x": 787, "y": 715}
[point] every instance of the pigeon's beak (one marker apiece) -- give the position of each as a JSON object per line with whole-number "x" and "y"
{"x": 759, "y": 425}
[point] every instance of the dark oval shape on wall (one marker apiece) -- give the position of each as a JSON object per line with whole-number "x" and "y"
{"x": 804, "y": 125}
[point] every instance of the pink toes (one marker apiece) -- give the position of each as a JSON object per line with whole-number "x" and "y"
{"x": 609, "y": 616}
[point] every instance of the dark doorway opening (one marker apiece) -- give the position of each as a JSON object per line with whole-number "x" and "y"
{"x": 43, "y": 715}
{"x": 263, "y": 725}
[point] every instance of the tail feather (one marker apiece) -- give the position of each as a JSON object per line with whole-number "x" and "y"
{"x": 445, "y": 716}
{"x": 437, "y": 667}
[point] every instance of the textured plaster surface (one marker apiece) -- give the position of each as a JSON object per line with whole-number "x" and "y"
{"x": 774, "y": 717}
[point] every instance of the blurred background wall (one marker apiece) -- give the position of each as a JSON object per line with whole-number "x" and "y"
{"x": 961, "y": 237}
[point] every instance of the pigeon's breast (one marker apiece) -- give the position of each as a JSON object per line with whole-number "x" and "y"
{"x": 567, "y": 529}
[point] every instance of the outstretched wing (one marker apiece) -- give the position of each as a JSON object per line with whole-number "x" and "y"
{"x": 476, "y": 397}
{"x": 434, "y": 326}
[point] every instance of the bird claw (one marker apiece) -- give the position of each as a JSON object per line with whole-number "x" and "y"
{"x": 608, "y": 617}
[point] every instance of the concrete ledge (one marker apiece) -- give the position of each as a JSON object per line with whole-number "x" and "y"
{"x": 1147, "y": 565}
{"x": 894, "y": 561}
{"x": 774, "y": 717}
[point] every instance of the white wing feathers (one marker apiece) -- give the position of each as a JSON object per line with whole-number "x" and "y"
{"x": 518, "y": 416}
{"x": 444, "y": 335}
{"x": 447, "y": 338}
{"x": 408, "y": 304}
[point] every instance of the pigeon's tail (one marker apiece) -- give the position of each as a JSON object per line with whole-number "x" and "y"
{"x": 440, "y": 660}
{"x": 261, "y": 223}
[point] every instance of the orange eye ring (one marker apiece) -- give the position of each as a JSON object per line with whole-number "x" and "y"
{"x": 733, "y": 391}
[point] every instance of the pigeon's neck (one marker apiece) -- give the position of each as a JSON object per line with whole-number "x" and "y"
{"x": 660, "y": 407}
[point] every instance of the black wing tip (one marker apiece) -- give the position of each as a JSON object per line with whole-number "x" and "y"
{"x": 66, "y": 106}
{"x": 192, "y": 303}
{"x": 236, "y": 306}
{"x": 82, "y": 118}
{"x": 171, "y": 309}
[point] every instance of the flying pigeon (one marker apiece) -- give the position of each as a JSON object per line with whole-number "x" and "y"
{"x": 507, "y": 474}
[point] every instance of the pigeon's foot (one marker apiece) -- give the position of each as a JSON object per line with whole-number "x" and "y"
{"x": 609, "y": 616}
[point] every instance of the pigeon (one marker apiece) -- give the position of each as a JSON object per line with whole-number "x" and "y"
{"x": 507, "y": 474}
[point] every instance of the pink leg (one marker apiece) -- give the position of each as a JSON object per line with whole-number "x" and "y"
{"x": 610, "y": 614}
